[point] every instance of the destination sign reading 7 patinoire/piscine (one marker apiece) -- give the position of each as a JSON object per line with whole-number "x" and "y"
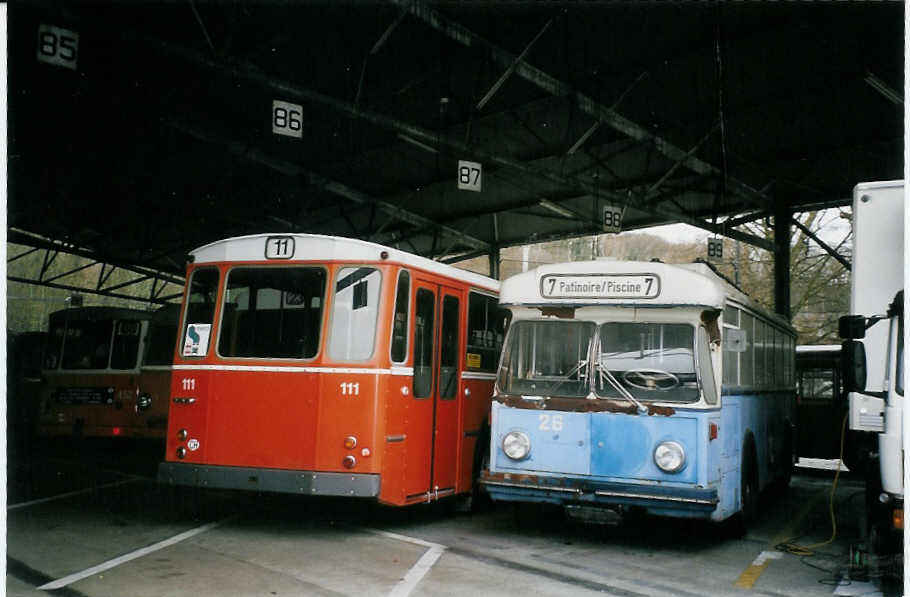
{"x": 617, "y": 286}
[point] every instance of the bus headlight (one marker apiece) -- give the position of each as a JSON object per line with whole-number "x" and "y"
{"x": 669, "y": 457}
{"x": 516, "y": 445}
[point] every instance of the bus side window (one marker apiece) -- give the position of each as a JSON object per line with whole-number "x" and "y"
{"x": 487, "y": 324}
{"x": 708, "y": 385}
{"x": 200, "y": 307}
{"x": 423, "y": 344}
{"x": 399, "y": 350}
{"x": 448, "y": 360}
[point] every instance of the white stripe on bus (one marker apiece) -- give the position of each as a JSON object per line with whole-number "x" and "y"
{"x": 399, "y": 371}
{"x": 277, "y": 369}
{"x": 474, "y": 375}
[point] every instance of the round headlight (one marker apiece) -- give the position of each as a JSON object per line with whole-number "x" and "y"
{"x": 516, "y": 445}
{"x": 670, "y": 457}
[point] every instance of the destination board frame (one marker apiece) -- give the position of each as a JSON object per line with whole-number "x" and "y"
{"x": 640, "y": 286}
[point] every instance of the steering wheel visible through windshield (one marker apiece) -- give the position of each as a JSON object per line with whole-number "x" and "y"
{"x": 653, "y": 361}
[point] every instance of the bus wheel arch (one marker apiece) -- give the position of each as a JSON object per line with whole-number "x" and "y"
{"x": 749, "y": 486}
{"x": 478, "y": 500}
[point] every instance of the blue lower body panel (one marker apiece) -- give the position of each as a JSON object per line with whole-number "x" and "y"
{"x": 607, "y": 459}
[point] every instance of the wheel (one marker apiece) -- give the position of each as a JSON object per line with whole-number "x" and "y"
{"x": 749, "y": 485}
{"x": 478, "y": 500}
{"x": 748, "y": 488}
{"x": 782, "y": 484}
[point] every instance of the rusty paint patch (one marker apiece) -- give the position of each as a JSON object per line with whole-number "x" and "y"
{"x": 558, "y": 312}
{"x": 582, "y": 405}
{"x": 486, "y": 475}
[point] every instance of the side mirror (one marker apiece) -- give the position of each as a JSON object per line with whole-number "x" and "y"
{"x": 853, "y": 365}
{"x": 851, "y": 327}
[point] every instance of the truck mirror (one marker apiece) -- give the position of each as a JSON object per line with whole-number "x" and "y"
{"x": 853, "y": 365}
{"x": 851, "y": 327}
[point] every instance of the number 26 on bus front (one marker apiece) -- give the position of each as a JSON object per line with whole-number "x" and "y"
{"x": 549, "y": 422}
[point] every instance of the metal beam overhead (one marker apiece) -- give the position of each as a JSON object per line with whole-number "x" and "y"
{"x": 558, "y": 88}
{"x": 332, "y": 186}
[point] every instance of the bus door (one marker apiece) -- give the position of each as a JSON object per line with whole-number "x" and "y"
{"x": 433, "y": 421}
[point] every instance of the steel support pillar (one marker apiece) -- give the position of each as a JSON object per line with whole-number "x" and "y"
{"x": 494, "y": 263}
{"x": 782, "y": 217}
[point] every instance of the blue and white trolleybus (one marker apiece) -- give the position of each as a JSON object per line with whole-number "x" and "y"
{"x": 640, "y": 386}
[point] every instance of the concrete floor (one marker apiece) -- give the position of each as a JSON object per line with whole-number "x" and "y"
{"x": 109, "y": 529}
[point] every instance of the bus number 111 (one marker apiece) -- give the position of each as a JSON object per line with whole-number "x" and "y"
{"x": 350, "y": 389}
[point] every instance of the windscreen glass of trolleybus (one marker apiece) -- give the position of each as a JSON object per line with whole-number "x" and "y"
{"x": 650, "y": 361}
{"x": 94, "y": 344}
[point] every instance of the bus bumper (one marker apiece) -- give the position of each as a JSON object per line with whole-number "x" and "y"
{"x": 269, "y": 480}
{"x": 656, "y": 499}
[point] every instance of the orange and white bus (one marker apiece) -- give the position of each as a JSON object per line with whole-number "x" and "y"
{"x": 104, "y": 374}
{"x": 320, "y": 365}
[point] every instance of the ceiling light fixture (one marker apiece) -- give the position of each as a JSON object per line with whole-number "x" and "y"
{"x": 558, "y": 209}
{"x": 883, "y": 88}
{"x": 416, "y": 143}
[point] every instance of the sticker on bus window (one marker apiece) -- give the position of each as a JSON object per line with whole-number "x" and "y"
{"x": 473, "y": 359}
{"x": 196, "y": 342}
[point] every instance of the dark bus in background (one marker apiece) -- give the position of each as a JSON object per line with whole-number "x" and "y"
{"x": 107, "y": 373}
{"x": 822, "y": 406}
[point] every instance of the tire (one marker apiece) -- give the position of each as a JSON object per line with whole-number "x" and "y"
{"x": 748, "y": 486}
{"x": 478, "y": 500}
{"x": 736, "y": 526}
{"x": 782, "y": 484}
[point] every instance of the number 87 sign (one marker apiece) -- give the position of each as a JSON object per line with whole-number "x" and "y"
{"x": 469, "y": 175}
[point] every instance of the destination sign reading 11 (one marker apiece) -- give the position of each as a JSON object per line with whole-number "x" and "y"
{"x": 630, "y": 286}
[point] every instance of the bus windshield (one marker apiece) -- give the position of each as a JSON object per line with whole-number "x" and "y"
{"x": 85, "y": 344}
{"x": 653, "y": 361}
{"x": 547, "y": 358}
{"x": 650, "y": 361}
{"x": 272, "y": 312}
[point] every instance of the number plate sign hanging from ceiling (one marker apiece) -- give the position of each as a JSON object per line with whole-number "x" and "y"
{"x": 58, "y": 46}
{"x": 286, "y": 119}
{"x": 612, "y": 221}
{"x": 715, "y": 249}
{"x": 469, "y": 176}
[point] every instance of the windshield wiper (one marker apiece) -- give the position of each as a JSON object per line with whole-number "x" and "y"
{"x": 566, "y": 377}
{"x": 604, "y": 373}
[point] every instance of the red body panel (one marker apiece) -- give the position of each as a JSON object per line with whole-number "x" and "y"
{"x": 115, "y": 416}
{"x": 296, "y": 414}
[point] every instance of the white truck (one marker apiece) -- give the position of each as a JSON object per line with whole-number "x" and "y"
{"x": 873, "y": 359}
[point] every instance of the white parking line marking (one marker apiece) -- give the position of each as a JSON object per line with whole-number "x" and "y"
{"x": 66, "y": 580}
{"x": 71, "y": 493}
{"x": 413, "y": 577}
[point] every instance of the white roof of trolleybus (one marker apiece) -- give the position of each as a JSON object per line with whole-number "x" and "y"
{"x": 320, "y": 248}
{"x": 691, "y": 284}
